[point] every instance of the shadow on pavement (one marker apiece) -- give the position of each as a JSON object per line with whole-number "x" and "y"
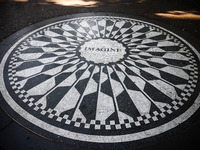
{"x": 17, "y": 14}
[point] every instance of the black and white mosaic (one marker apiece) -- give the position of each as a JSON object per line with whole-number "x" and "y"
{"x": 85, "y": 77}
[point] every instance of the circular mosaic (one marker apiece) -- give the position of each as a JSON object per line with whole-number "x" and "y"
{"x": 101, "y": 79}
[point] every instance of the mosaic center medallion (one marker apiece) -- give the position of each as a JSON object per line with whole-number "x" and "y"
{"x": 102, "y": 51}
{"x": 101, "y": 79}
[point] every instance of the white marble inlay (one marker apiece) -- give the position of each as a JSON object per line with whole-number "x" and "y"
{"x": 102, "y": 51}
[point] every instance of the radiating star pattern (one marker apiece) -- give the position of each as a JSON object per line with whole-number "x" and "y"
{"x": 154, "y": 80}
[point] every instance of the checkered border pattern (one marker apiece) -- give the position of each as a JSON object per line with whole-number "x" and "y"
{"x": 97, "y": 124}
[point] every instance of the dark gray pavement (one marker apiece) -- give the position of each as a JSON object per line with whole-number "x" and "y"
{"x": 15, "y": 15}
{"x": 183, "y": 14}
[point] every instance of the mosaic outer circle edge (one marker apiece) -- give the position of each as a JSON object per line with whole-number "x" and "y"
{"x": 198, "y": 99}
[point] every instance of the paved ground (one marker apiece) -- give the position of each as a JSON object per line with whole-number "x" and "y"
{"x": 177, "y": 13}
{"x": 15, "y": 15}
